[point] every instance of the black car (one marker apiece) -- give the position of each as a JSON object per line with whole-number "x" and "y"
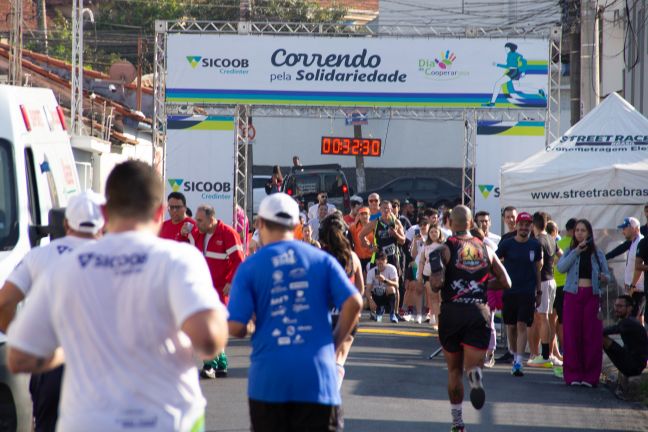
{"x": 307, "y": 181}
{"x": 433, "y": 191}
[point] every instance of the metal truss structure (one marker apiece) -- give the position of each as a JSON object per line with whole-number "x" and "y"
{"x": 241, "y": 181}
{"x": 470, "y": 117}
{"x": 553, "y": 98}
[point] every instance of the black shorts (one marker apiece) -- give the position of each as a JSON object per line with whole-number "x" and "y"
{"x": 624, "y": 361}
{"x": 639, "y": 299}
{"x": 464, "y": 324}
{"x": 518, "y": 307}
{"x": 295, "y": 417}
{"x": 363, "y": 264}
{"x": 410, "y": 274}
{"x": 334, "y": 320}
{"x": 558, "y": 302}
{"x": 45, "y": 391}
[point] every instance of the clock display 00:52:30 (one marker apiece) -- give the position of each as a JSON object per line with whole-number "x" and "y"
{"x": 351, "y": 146}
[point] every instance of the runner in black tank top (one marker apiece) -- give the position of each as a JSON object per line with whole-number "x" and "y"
{"x": 467, "y": 272}
{"x": 386, "y": 242}
{"x": 464, "y": 321}
{"x": 388, "y": 234}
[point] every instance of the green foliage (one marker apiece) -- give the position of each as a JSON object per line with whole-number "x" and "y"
{"x": 147, "y": 11}
{"x": 296, "y": 11}
{"x": 119, "y": 23}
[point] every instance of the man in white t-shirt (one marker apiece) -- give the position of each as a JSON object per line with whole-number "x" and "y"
{"x": 322, "y": 212}
{"x": 382, "y": 283}
{"x": 313, "y": 211}
{"x": 483, "y": 221}
{"x": 127, "y": 311}
{"x": 83, "y": 223}
{"x": 633, "y": 279}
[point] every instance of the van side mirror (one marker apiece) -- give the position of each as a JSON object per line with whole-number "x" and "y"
{"x": 56, "y": 228}
{"x": 36, "y": 233}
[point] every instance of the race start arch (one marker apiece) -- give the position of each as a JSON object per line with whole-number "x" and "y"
{"x": 224, "y": 70}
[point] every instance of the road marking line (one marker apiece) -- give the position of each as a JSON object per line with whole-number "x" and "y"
{"x": 395, "y": 332}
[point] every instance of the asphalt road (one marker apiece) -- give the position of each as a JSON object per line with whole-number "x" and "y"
{"x": 391, "y": 385}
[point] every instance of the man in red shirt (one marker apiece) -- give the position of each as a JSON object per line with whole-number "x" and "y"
{"x": 221, "y": 246}
{"x": 177, "y": 228}
{"x": 356, "y": 203}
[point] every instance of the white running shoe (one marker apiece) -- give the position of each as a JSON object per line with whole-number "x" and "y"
{"x": 555, "y": 361}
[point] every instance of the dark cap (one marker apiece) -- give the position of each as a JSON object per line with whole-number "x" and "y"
{"x": 380, "y": 255}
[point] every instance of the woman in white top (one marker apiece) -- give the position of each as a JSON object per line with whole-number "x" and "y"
{"x": 412, "y": 301}
{"x": 435, "y": 240}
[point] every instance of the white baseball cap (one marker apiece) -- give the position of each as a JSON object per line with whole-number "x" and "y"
{"x": 83, "y": 212}
{"x": 356, "y": 198}
{"x": 280, "y": 208}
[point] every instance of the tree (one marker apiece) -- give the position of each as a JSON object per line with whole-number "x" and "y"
{"x": 118, "y": 24}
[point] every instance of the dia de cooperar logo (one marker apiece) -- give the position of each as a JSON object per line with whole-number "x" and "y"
{"x": 175, "y": 184}
{"x": 440, "y": 67}
{"x": 194, "y": 61}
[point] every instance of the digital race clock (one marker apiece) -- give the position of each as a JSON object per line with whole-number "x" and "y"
{"x": 351, "y": 146}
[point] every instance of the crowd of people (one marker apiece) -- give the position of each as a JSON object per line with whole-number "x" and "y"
{"x": 153, "y": 292}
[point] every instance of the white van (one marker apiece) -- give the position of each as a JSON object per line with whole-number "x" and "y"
{"x": 37, "y": 174}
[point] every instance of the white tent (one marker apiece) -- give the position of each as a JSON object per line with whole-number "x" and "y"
{"x": 598, "y": 170}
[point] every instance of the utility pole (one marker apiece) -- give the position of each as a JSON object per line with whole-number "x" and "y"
{"x": 42, "y": 24}
{"x": 77, "y": 65}
{"x": 571, "y": 23}
{"x": 16, "y": 43}
{"x": 76, "y": 104}
{"x": 359, "y": 160}
{"x": 138, "y": 101}
{"x": 590, "y": 81}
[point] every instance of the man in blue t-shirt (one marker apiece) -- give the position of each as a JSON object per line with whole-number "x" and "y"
{"x": 289, "y": 286}
{"x": 522, "y": 256}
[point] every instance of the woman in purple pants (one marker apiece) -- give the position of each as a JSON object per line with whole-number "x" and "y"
{"x": 586, "y": 271}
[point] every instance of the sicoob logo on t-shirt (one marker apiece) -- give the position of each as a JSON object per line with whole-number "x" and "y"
{"x": 470, "y": 258}
{"x": 120, "y": 264}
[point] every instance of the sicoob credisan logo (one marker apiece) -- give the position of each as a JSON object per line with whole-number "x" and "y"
{"x": 224, "y": 65}
{"x": 209, "y": 189}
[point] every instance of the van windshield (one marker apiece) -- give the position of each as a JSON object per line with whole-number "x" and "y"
{"x": 334, "y": 184}
{"x": 8, "y": 203}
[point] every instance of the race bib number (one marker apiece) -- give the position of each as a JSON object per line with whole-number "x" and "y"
{"x": 390, "y": 249}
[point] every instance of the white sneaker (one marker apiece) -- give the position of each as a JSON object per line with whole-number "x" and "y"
{"x": 555, "y": 361}
{"x": 419, "y": 319}
{"x": 408, "y": 317}
{"x": 208, "y": 373}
